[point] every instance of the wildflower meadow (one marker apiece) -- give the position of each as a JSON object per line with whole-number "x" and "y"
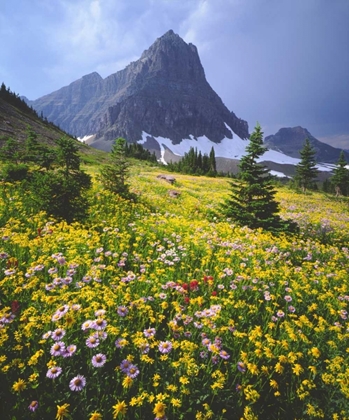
{"x": 160, "y": 308}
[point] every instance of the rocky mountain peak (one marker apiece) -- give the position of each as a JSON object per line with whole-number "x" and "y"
{"x": 290, "y": 140}
{"x": 165, "y": 94}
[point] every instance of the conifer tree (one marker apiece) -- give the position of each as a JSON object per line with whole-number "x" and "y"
{"x": 340, "y": 178}
{"x": 252, "y": 201}
{"x": 62, "y": 192}
{"x": 114, "y": 177}
{"x": 306, "y": 172}
{"x": 212, "y": 159}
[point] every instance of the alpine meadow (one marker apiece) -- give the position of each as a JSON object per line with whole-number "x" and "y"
{"x": 161, "y": 307}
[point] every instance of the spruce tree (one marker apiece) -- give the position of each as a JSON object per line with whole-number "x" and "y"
{"x": 114, "y": 177}
{"x": 212, "y": 159}
{"x": 340, "y": 178}
{"x": 252, "y": 200}
{"x": 61, "y": 193}
{"x": 306, "y": 172}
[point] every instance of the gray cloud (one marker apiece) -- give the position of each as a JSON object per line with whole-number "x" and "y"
{"x": 282, "y": 63}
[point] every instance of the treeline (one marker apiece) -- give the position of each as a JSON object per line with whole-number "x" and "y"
{"x": 14, "y": 99}
{"x": 194, "y": 163}
{"x": 137, "y": 151}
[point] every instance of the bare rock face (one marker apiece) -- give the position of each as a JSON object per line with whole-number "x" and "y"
{"x": 291, "y": 140}
{"x": 165, "y": 93}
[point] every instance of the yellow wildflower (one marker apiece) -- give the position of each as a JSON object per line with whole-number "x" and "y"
{"x": 119, "y": 408}
{"x": 95, "y": 416}
{"x": 62, "y": 411}
{"x": 127, "y": 382}
{"x": 19, "y": 386}
{"x": 159, "y": 409}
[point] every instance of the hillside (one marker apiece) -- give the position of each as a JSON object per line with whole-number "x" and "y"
{"x": 14, "y": 123}
{"x": 161, "y": 288}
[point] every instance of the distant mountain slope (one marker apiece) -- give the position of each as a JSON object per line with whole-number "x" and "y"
{"x": 291, "y": 140}
{"x": 165, "y": 93}
{"x": 15, "y": 121}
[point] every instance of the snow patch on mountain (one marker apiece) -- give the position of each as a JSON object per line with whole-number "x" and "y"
{"x": 227, "y": 148}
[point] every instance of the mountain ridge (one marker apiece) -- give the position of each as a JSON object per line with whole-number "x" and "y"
{"x": 290, "y": 140}
{"x": 164, "y": 93}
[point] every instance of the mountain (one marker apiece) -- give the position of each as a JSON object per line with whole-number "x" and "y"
{"x": 291, "y": 140}
{"x": 16, "y": 117}
{"x": 164, "y": 94}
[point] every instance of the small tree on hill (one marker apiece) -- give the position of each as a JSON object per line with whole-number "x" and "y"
{"x": 62, "y": 192}
{"x": 306, "y": 172}
{"x": 114, "y": 177}
{"x": 252, "y": 200}
{"x": 340, "y": 178}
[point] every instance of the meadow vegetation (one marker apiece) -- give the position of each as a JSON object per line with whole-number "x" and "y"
{"x": 164, "y": 308}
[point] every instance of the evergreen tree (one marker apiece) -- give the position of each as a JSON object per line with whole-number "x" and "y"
{"x": 212, "y": 160}
{"x": 62, "y": 192}
{"x": 306, "y": 172}
{"x": 12, "y": 151}
{"x": 340, "y": 178}
{"x": 252, "y": 201}
{"x": 114, "y": 177}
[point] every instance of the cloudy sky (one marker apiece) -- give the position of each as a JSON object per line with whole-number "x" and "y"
{"x": 282, "y": 63}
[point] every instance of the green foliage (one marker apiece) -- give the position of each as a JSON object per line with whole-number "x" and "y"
{"x": 61, "y": 196}
{"x": 137, "y": 151}
{"x": 340, "y": 178}
{"x": 193, "y": 162}
{"x": 11, "y": 151}
{"x": 61, "y": 193}
{"x": 13, "y": 172}
{"x": 252, "y": 200}
{"x": 37, "y": 152}
{"x": 114, "y": 177}
{"x": 306, "y": 172}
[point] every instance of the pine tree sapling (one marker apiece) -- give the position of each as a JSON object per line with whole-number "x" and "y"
{"x": 306, "y": 172}
{"x": 114, "y": 177}
{"x": 340, "y": 178}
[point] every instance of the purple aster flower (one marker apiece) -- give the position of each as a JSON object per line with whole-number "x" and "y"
{"x": 62, "y": 310}
{"x": 54, "y": 372}
{"x": 100, "y": 312}
{"x": 132, "y": 371}
{"x": 124, "y": 365}
{"x": 149, "y": 333}
{"x": 280, "y": 313}
{"x": 46, "y": 335}
{"x": 92, "y": 342}
{"x": 77, "y": 383}
{"x": 86, "y": 325}
{"x": 206, "y": 342}
{"x": 99, "y": 359}
{"x": 292, "y": 309}
{"x": 99, "y": 324}
{"x": 120, "y": 343}
{"x": 58, "y": 334}
{"x": 288, "y": 298}
{"x": 214, "y": 359}
{"x": 122, "y": 311}
{"x": 58, "y": 349}
{"x": 69, "y": 351}
{"x": 224, "y": 355}
{"x": 33, "y": 406}
{"x": 241, "y": 367}
{"x": 165, "y": 346}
